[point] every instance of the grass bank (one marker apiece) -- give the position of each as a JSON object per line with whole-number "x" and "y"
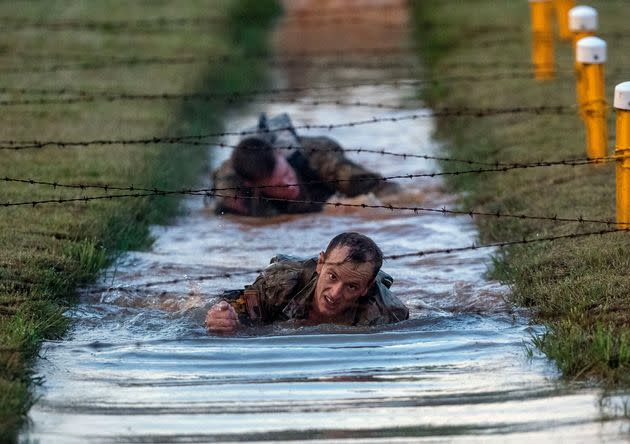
{"x": 578, "y": 288}
{"x": 50, "y": 249}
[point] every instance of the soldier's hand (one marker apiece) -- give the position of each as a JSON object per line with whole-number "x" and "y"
{"x": 222, "y": 318}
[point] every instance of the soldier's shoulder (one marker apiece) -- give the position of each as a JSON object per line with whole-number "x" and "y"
{"x": 292, "y": 268}
{"x": 380, "y": 306}
{"x": 310, "y": 142}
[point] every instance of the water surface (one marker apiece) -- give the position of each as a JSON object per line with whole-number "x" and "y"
{"x": 138, "y": 365}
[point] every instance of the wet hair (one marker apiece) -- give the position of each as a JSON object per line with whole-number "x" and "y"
{"x": 254, "y": 159}
{"x": 360, "y": 249}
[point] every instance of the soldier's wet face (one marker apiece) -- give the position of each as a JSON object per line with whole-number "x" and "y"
{"x": 339, "y": 285}
{"x": 283, "y": 174}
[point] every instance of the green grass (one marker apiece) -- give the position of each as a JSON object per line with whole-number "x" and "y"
{"x": 49, "y": 250}
{"x": 578, "y": 288}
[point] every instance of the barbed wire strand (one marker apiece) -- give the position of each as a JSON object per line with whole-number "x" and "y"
{"x": 406, "y": 155}
{"x": 495, "y": 168}
{"x": 226, "y": 275}
{"x": 403, "y": 82}
{"x": 421, "y": 253}
{"x": 416, "y": 209}
{"x": 234, "y": 95}
{"x": 439, "y": 112}
{"x": 222, "y": 58}
{"x": 212, "y": 192}
{"x": 463, "y": 112}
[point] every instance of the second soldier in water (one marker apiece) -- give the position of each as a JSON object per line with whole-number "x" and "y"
{"x": 277, "y": 172}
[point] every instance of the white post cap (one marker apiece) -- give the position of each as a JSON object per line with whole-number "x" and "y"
{"x": 583, "y": 18}
{"x": 591, "y": 50}
{"x": 622, "y": 96}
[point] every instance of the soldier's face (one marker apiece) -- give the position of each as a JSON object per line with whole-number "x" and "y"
{"x": 283, "y": 174}
{"x": 339, "y": 284}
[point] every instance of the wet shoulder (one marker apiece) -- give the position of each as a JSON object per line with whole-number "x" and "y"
{"x": 380, "y": 305}
{"x": 320, "y": 146}
{"x": 282, "y": 279}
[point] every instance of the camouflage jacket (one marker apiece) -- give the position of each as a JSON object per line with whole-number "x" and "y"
{"x": 285, "y": 289}
{"x": 319, "y": 159}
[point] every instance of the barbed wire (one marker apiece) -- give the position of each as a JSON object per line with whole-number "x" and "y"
{"x": 441, "y": 112}
{"x": 421, "y": 253}
{"x": 523, "y": 241}
{"x": 398, "y": 83}
{"x": 162, "y": 25}
{"x": 319, "y": 14}
{"x": 325, "y": 17}
{"x": 263, "y": 91}
{"x": 288, "y": 60}
{"x": 497, "y": 167}
{"x": 220, "y": 58}
{"x": 226, "y": 275}
{"x": 405, "y": 155}
{"x": 312, "y": 20}
{"x": 187, "y": 139}
{"x": 417, "y": 209}
{"x": 233, "y": 94}
{"x": 138, "y": 192}
{"x": 402, "y": 68}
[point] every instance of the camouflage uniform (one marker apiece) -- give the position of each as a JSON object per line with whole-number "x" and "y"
{"x": 319, "y": 159}
{"x": 285, "y": 289}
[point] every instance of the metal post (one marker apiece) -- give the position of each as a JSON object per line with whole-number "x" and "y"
{"x": 622, "y": 153}
{"x": 542, "y": 39}
{"x": 582, "y": 23}
{"x": 562, "y": 18}
{"x": 591, "y": 53}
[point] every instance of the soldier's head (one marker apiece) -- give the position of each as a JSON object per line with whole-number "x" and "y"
{"x": 346, "y": 271}
{"x": 256, "y": 161}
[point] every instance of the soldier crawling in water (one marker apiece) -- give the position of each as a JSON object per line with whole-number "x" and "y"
{"x": 344, "y": 285}
{"x": 278, "y": 172}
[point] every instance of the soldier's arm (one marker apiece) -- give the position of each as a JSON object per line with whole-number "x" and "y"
{"x": 229, "y": 201}
{"x": 259, "y": 303}
{"x": 327, "y": 158}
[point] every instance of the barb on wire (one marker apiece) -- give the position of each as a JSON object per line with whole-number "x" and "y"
{"x": 162, "y": 25}
{"x": 416, "y": 209}
{"x": 237, "y": 95}
{"x": 409, "y": 69}
{"x": 446, "y": 112}
{"x": 443, "y": 112}
{"x": 392, "y": 257}
{"x": 226, "y": 275}
{"x": 496, "y": 167}
{"x": 234, "y": 94}
{"x": 523, "y": 241}
{"x": 377, "y": 52}
{"x": 336, "y": 14}
{"x": 212, "y": 192}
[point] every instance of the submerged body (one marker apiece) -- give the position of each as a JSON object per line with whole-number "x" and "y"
{"x": 343, "y": 286}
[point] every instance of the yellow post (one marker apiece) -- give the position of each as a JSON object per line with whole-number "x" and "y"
{"x": 622, "y": 153}
{"x": 591, "y": 53}
{"x": 562, "y": 18}
{"x": 582, "y": 23}
{"x": 542, "y": 39}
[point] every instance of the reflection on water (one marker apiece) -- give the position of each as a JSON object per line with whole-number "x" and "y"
{"x": 139, "y": 367}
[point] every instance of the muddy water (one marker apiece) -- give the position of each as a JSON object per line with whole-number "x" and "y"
{"x": 139, "y": 367}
